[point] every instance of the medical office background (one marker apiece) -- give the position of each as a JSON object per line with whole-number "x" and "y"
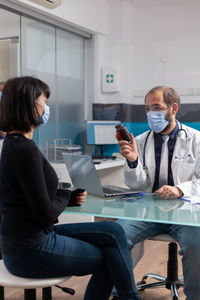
{"x": 148, "y": 42}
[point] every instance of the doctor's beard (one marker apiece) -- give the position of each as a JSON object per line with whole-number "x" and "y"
{"x": 169, "y": 118}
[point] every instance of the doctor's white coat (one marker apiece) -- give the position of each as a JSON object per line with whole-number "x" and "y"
{"x": 185, "y": 162}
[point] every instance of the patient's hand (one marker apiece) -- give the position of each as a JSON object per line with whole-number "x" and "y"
{"x": 81, "y": 198}
{"x": 169, "y": 192}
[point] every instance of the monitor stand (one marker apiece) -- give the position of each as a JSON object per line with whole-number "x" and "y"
{"x": 100, "y": 154}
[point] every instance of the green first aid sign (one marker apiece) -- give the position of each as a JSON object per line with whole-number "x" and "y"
{"x": 109, "y": 78}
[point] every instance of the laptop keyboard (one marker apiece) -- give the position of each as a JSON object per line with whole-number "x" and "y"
{"x": 118, "y": 191}
{"x": 112, "y": 192}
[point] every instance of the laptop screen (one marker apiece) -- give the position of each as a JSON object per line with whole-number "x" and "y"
{"x": 83, "y": 173}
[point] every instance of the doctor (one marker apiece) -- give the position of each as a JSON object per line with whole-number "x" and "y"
{"x": 164, "y": 160}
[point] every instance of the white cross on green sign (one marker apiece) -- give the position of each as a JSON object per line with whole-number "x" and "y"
{"x": 109, "y": 78}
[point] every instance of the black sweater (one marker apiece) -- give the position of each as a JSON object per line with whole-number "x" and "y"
{"x": 29, "y": 199}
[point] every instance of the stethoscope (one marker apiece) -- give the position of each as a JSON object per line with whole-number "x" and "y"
{"x": 146, "y": 140}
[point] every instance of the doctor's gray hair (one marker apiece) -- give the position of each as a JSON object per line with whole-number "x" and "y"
{"x": 170, "y": 96}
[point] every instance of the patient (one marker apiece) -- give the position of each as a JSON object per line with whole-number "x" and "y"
{"x": 30, "y": 203}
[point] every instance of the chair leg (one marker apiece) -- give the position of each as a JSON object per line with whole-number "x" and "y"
{"x": 46, "y": 293}
{"x": 142, "y": 285}
{"x": 172, "y": 282}
{"x": 1, "y": 293}
{"x": 172, "y": 264}
{"x": 153, "y": 276}
{"x": 30, "y": 294}
{"x": 174, "y": 292}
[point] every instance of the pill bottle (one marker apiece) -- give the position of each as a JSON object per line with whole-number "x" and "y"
{"x": 122, "y": 133}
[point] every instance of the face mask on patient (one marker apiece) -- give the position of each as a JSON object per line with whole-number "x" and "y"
{"x": 46, "y": 114}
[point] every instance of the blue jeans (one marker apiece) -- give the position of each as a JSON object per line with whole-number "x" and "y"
{"x": 188, "y": 238}
{"x": 80, "y": 249}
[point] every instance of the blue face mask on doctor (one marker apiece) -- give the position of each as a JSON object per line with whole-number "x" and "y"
{"x": 157, "y": 121}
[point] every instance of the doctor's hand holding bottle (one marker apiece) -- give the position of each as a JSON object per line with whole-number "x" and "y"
{"x": 129, "y": 150}
{"x": 127, "y": 144}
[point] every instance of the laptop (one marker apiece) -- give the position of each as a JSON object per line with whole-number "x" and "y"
{"x": 83, "y": 174}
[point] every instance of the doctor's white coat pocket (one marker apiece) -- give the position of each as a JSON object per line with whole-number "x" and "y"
{"x": 186, "y": 170}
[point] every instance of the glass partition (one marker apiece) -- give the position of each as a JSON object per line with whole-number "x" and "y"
{"x": 70, "y": 85}
{"x": 31, "y": 47}
{"x": 56, "y": 57}
{"x": 38, "y": 59}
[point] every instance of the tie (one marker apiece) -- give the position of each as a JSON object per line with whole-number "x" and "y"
{"x": 163, "y": 176}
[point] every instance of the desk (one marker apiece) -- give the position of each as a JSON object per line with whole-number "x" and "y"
{"x": 144, "y": 208}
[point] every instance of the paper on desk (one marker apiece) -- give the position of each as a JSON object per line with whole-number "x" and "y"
{"x": 194, "y": 199}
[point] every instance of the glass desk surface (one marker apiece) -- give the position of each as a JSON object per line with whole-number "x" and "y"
{"x": 146, "y": 207}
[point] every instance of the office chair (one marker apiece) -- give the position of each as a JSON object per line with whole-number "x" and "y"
{"x": 30, "y": 284}
{"x": 172, "y": 281}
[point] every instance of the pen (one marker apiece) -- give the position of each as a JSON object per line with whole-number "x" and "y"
{"x": 187, "y": 200}
{"x": 184, "y": 199}
{"x": 148, "y": 194}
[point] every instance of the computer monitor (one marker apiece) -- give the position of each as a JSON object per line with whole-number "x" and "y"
{"x": 101, "y": 133}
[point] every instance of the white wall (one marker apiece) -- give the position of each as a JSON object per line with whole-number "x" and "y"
{"x": 169, "y": 31}
{"x": 152, "y": 41}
